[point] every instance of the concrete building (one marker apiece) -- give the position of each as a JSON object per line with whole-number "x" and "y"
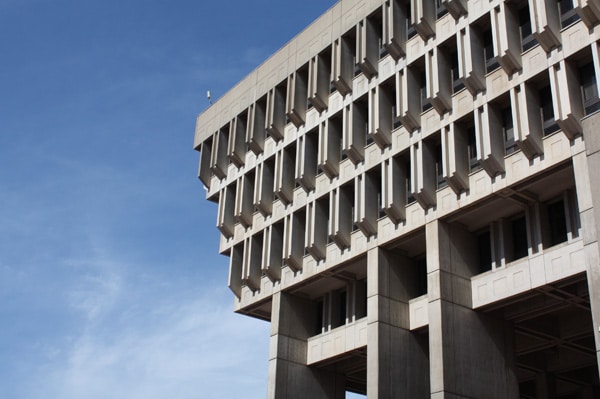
{"x": 409, "y": 192}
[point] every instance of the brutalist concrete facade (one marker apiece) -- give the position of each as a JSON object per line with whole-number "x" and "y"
{"x": 408, "y": 191}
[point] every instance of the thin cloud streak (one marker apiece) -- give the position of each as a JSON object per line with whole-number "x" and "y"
{"x": 182, "y": 346}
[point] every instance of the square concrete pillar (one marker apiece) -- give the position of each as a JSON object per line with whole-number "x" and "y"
{"x": 588, "y": 196}
{"x": 471, "y": 353}
{"x": 397, "y": 359}
{"x": 289, "y": 377}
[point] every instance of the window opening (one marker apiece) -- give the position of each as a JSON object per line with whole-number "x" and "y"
{"x": 508, "y": 131}
{"x": 439, "y": 169}
{"x": 519, "y": 237}
{"x": 547, "y": 111}
{"x": 457, "y": 83}
{"x": 491, "y": 63}
{"x": 568, "y": 15}
{"x": 527, "y": 38}
{"x": 425, "y": 104}
{"x": 484, "y": 244}
{"x": 558, "y": 222}
{"x": 589, "y": 88}
{"x": 472, "y": 150}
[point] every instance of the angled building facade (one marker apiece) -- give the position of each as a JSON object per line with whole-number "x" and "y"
{"x": 409, "y": 192}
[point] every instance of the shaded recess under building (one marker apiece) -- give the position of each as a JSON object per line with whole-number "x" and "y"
{"x": 407, "y": 191}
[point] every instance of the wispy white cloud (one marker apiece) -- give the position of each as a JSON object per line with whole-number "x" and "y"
{"x": 186, "y": 345}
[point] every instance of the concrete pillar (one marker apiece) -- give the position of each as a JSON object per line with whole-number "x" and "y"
{"x": 293, "y": 321}
{"x": 587, "y": 170}
{"x": 471, "y": 354}
{"x": 397, "y": 361}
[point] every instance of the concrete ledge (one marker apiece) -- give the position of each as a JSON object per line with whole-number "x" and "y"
{"x": 337, "y": 342}
{"x": 523, "y": 275}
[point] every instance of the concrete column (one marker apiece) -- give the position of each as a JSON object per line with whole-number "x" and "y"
{"x": 471, "y": 354}
{"x": 587, "y": 171}
{"x": 397, "y": 362}
{"x": 293, "y": 321}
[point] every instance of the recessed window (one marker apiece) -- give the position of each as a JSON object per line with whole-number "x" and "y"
{"x": 408, "y": 183}
{"x": 421, "y": 278}
{"x": 547, "y": 111}
{"x": 441, "y": 10}
{"x": 439, "y": 169}
{"x": 457, "y": 83}
{"x": 567, "y": 12}
{"x": 508, "y": 131}
{"x": 484, "y": 245}
{"x": 425, "y": 104}
{"x": 472, "y": 150}
{"x": 518, "y": 228}
{"x": 527, "y": 39}
{"x": 491, "y": 63}
{"x": 410, "y": 29}
{"x": 589, "y": 88}
{"x": 557, "y": 222}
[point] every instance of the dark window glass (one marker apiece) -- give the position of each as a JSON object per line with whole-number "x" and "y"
{"x": 519, "y": 237}
{"x": 484, "y": 244}
{"x": 457, "y": 83}
{"x": 567, "y": 13}
{"x": 472, "y": 150}
{"x": 342, "y": 309}
{"x": 441, "y": 9}
{"x": 410, "y": 29}
{"x": 508, "y": 131}
{"x": 425, "y": 104}
{"x": 396, "y": 123}
{"x": 558, "y": 222}
{"x": 488, "y": 52}
{"x": 439, "y": 170}
{"x": 319, "y": 321}
{"x": 547, "y": 111}
{"x": 527, "y": 39}
{"x": 589, "y": 88}
{"x": 409, "y": 196}
{"x": 421, "y": 265}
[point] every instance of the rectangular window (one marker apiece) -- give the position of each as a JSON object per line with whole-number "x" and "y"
{"x": 558, "y": 222}
{"x": 421, "y": 276}
{"x": 519, "y": 237}
{"x": 484, "y": 244}
{"x": 547, "y": 111}
{"x": 527, "y": 39}
{"x": 589, "y": 88}
{"x": 409, "y": 195}
{"x": 410, "y": 29}
{"x": 508, "y": 131}
{"x": 439, "y": 170}
{"x": 568, "y": 15}
{"x": 396, "y": 122}
{"x": 491, "y": 63}
{"x": 472, "y": 150}
{"x": 457, "y": 83}
{"x": 342, "y": 308}
{"x": 441, "y": 9}
{"x": 425, "y": 104}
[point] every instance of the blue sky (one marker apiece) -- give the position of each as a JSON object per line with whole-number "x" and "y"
{"x": 110, "y": 281}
